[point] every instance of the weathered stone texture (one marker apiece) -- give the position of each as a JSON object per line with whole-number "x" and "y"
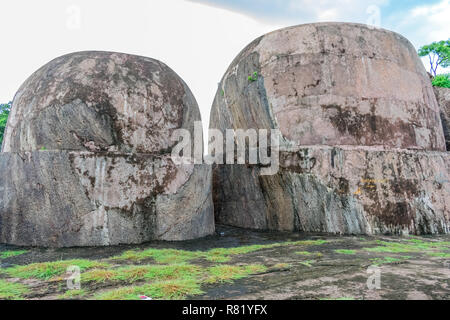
{"x": 443, "y": 97}
{"x": 87, "y": 156}
{"x": 356, "y": 100}
{"x": 332, "y": 84}
{"x": 87, "y": 199}
{"x": 340, "y": 190}
{"x": 100, "y": 101}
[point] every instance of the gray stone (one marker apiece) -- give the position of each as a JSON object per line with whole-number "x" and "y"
{"x": 363, "y": 149}
{"x": 87, "y": 156}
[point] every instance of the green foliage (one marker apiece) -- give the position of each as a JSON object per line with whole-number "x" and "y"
{"x": 253, "y": 77}
{"x": 214, "y": 255}
{"x": 4, "y": 113}
{"x": 388, "y": 260}
{"x": 9, "y": 254}
{"x": 308, "y": 263}
{"x": 226, "y": 273}
{"x": 345, "y": 251}
{"x": 438, "y": 53}
{"x": 132, "y": 274}
{"x": 411, "y": 245}
{"x": 165, "y": 290}
{"x": 12, "y": 291}
{"x": 48, "y": 270}
{"x": 72, "y": 294}
{"x": 439, "y": 254}
{"x": 442, "y": 80}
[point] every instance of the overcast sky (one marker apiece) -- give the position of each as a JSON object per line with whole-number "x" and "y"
{"x": 196, "y": 38}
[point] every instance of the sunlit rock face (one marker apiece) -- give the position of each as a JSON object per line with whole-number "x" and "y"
{"x": 363, "y": 148}
{"x": 87, "y": 156}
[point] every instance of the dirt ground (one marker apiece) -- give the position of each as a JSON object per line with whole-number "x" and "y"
{"x": 280, "y": 266}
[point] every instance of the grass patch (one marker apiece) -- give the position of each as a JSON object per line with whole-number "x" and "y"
{"x": 48, "y": 270}
{"x": 439, "y": 254}
{"x": 388, "y": 260}
{"x": 12, "y": 291}
{"x": 98, "y": 275}
{"x": 132, "y": 274}
{"x": 307, "y": 263}
{"x": 409, "y": 245}
{"x": 345, "y": 251}
{"x": 159, "y": 255}
{"x": 281, "y": 266}
{"x": 167, "y": 290}
{"x": 72, "y": 294}
{"x": 9, "y": 254}
{"x": 217, "y": 255}
{"x": 309, "y": 254}
{"x": 226, "y": 273}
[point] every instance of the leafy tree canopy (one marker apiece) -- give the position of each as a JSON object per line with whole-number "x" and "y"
{"x": 438, "y": 53}
{"x": 4, "y": 112}
{"x": 442, "y": 80}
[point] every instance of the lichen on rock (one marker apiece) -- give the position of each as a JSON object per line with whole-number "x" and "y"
{"x": 87, "y": 156}
{"x": 357, "y": 113}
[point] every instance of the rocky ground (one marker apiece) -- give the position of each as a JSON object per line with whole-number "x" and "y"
{"x": 237, "y": 264}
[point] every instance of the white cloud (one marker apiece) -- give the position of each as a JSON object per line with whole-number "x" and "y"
{"x": 335, "y": 10}
{"x": 434, "y": 20}
{"x": 424, "y": 24}
{"x": 197, "y": 41}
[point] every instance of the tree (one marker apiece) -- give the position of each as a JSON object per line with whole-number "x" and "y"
{"x": 4, "y": 113}
{"x": 438, "y": 53}
{"x": 442, "y": 80}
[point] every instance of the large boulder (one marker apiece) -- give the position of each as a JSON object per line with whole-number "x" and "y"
{"x": 87, "y": 156}
{"x": 362, "y": 146}
{"x": 443, "y": 97}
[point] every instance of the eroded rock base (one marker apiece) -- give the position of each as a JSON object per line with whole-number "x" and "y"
{"x": 66, "y": 199}
{"x": 346, "y": 190}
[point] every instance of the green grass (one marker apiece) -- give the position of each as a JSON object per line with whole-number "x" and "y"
{"x": 12, "y": 291}
{"x": 308, "y": 254}
{"x": 442, "y": 80}
{"x": 72, "y": 294}
{"x": 339, "y": 299}
{"x": 281, "y": 266}
{"x": 227, "y": 273}
{"x": 307, "y": 263}
{"x": 159, "y": 255}
{"x": 304, "y": 253}
{"x": 9, "y": 254}
{"x": 409, "y": 245}
{"x": 132, "y": 274}
{"x": 166, "y": 290}
{"x": 217, "y": 255}
{"x": 439, "y": 254}
{"x": 169, "y": 275}
{"x": 345, "y": 251}
{"x": 48, "y": 270}
{"x": 388, "y": 260}
{"x": 253, "y": 77}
